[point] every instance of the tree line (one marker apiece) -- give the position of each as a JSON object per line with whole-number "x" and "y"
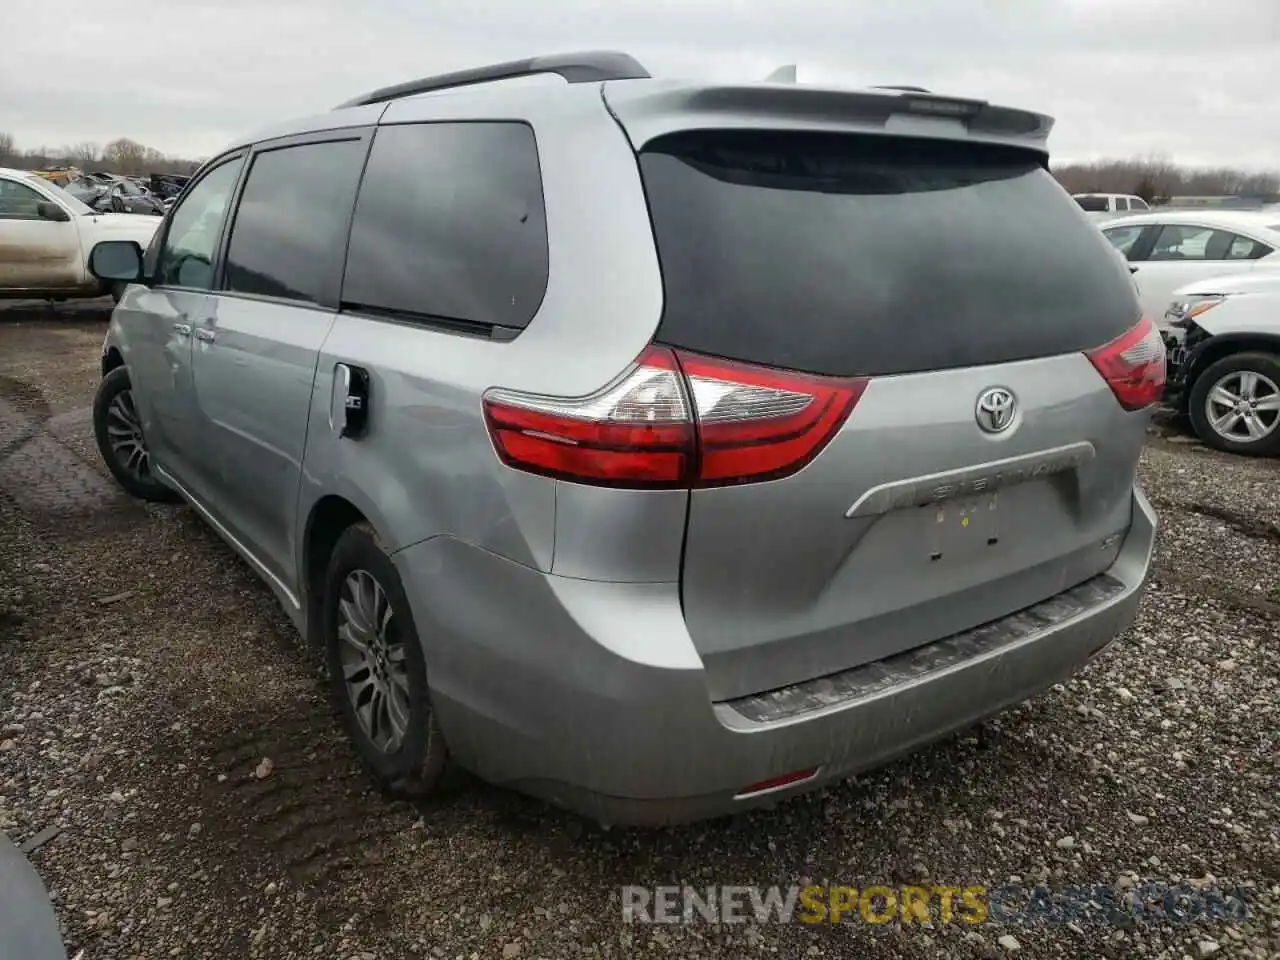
{"x": 1156, "y": 179}
{"x": 121, "y": 155}
{"x": 1153, "y": 178}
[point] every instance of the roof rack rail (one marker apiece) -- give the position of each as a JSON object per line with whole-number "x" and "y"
{"x": 903, "y": 87}
{"x": 589, "y": 67}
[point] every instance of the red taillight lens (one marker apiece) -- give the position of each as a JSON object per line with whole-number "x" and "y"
{"x": 1133, "y": 365}
{"x": 675, "y": 419}
{"x": 755, "y": 423}
{"x": 636, "y": 432}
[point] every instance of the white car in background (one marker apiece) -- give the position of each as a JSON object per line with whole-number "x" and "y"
{"x": 1108, "y": 206}
{"x": 46, "y": 236}
{"x": 1223, "y": 342}
{"x": 1169, "y": 249}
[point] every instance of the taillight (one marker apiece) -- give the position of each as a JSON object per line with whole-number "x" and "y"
{"x": 635, "y": 432}
{"x": 1133, "y": 365}
{"x": 756, "y": 423}
{"x": 675, "y": 419}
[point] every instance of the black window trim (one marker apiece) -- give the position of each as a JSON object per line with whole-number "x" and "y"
{"x": 1267, "y": 248}
{"x": 162, "y": 235}
{"x": 1141, "y": 247}
{"x": 454, "y": 326}
{"x": 328, "y": 300}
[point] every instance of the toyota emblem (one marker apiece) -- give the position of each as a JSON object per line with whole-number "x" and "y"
{"x": 995, "y": 410}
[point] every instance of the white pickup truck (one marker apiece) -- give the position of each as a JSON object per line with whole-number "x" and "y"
{"x": 1107, "y": 206}
{"x": 46, "y": 236}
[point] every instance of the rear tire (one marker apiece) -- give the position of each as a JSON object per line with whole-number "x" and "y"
{"x": 118, "y": 430}
{"x": 1235, "y": 404}
{"x": 377, "y": 670}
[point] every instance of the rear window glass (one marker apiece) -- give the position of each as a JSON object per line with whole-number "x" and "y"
{"x": 858, "y": 255}
{"x": 450, "y": 225}
{"x": 1093, "y": 204}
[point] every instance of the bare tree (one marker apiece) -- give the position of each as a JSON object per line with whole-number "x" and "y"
{"x": 126, "y": 156}
{"x": 83, "y": 154}
{"x": 8, "y": 147}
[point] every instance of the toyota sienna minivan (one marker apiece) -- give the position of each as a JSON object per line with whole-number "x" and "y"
{"x": 658, "y": 448}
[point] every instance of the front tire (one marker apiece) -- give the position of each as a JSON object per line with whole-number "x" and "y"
{"x": 117, "y": 427}
{"x": 1235, "y": 404}
{"x": 377, "y": 670}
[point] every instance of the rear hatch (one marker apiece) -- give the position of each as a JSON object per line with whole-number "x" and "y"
{"x": 963, "y": 283}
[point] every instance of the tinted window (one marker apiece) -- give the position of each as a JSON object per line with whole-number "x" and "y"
{"x": 186, "y": 257}
{"x": 855, "y": 255}
{"x": 1124, "y": 238}
{"x": 288, "y": 230}
{"x": 18, "y": 202}
{"x": 450, "y": 224}
{"x": 1093, "y": 204}
{"x": 1187, "y": 242}
{"x": 1245, "y": 248}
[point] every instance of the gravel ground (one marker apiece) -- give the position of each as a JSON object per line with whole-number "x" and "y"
{"x": 156, "y": 710}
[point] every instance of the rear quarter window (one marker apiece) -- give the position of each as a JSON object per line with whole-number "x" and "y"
{"x": 450, "y": 224}
{"x": 862, "y": 255}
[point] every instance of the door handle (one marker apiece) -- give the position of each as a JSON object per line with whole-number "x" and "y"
{"x": 205, "y": 335}
{"x": 349, "y": 402}
{"x": 182, "y": 329}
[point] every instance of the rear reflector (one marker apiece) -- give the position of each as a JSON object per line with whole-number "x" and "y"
{"x": 1133, "y": 366}
{"x": 675, "y": 419}
{"x": 777, "y": 783}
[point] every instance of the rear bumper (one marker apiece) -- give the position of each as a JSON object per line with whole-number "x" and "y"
{"x": 591, "y": 694}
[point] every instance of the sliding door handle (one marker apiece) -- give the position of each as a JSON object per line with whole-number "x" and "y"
{"x": 349, "y": 402}
{"x": 205, "y": 335}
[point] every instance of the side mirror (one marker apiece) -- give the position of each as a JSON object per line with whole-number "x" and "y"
{"x": 48, "y": 210}
{"x": 116, "y": 261}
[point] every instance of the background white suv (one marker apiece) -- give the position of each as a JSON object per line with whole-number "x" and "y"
{"x": 1223, "y": 337}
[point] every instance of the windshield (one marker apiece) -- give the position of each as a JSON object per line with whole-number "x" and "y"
{"x": 1092, "y": 204}
{"x": 69, "y": 200}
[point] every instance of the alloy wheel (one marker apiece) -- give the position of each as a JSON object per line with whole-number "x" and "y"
{"x": 1243, "y": 407}
{"x": 124, "y": 432}
{"x": 372, "y": 656}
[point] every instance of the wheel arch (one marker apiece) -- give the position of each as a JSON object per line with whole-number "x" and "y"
{"x": 327, "y": 519}
{"x": 1224, "y": 345}
{"x": 112, "y": 359}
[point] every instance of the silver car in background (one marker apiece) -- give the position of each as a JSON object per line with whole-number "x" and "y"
{"x": 658, "y": 448}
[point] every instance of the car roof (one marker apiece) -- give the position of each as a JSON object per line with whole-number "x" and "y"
{"x": 643, "y": 102}
{"x": 1226, "y": 219}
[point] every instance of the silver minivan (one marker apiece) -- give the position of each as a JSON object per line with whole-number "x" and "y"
{"x": 658, "y": 448}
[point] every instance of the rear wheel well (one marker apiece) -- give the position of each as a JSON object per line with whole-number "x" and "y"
{"x": 329, "y": 518}
{"x": 110, "y": 360}
{"x": 1219, "y": 347}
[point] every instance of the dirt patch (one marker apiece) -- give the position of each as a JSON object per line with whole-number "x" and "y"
{"x": 158, "y": 709}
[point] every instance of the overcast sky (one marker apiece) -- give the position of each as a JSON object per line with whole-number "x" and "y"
{"x": 1194, "y": 80}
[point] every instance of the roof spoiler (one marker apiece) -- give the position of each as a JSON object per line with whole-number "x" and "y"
{"x": 589, "y": 67}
